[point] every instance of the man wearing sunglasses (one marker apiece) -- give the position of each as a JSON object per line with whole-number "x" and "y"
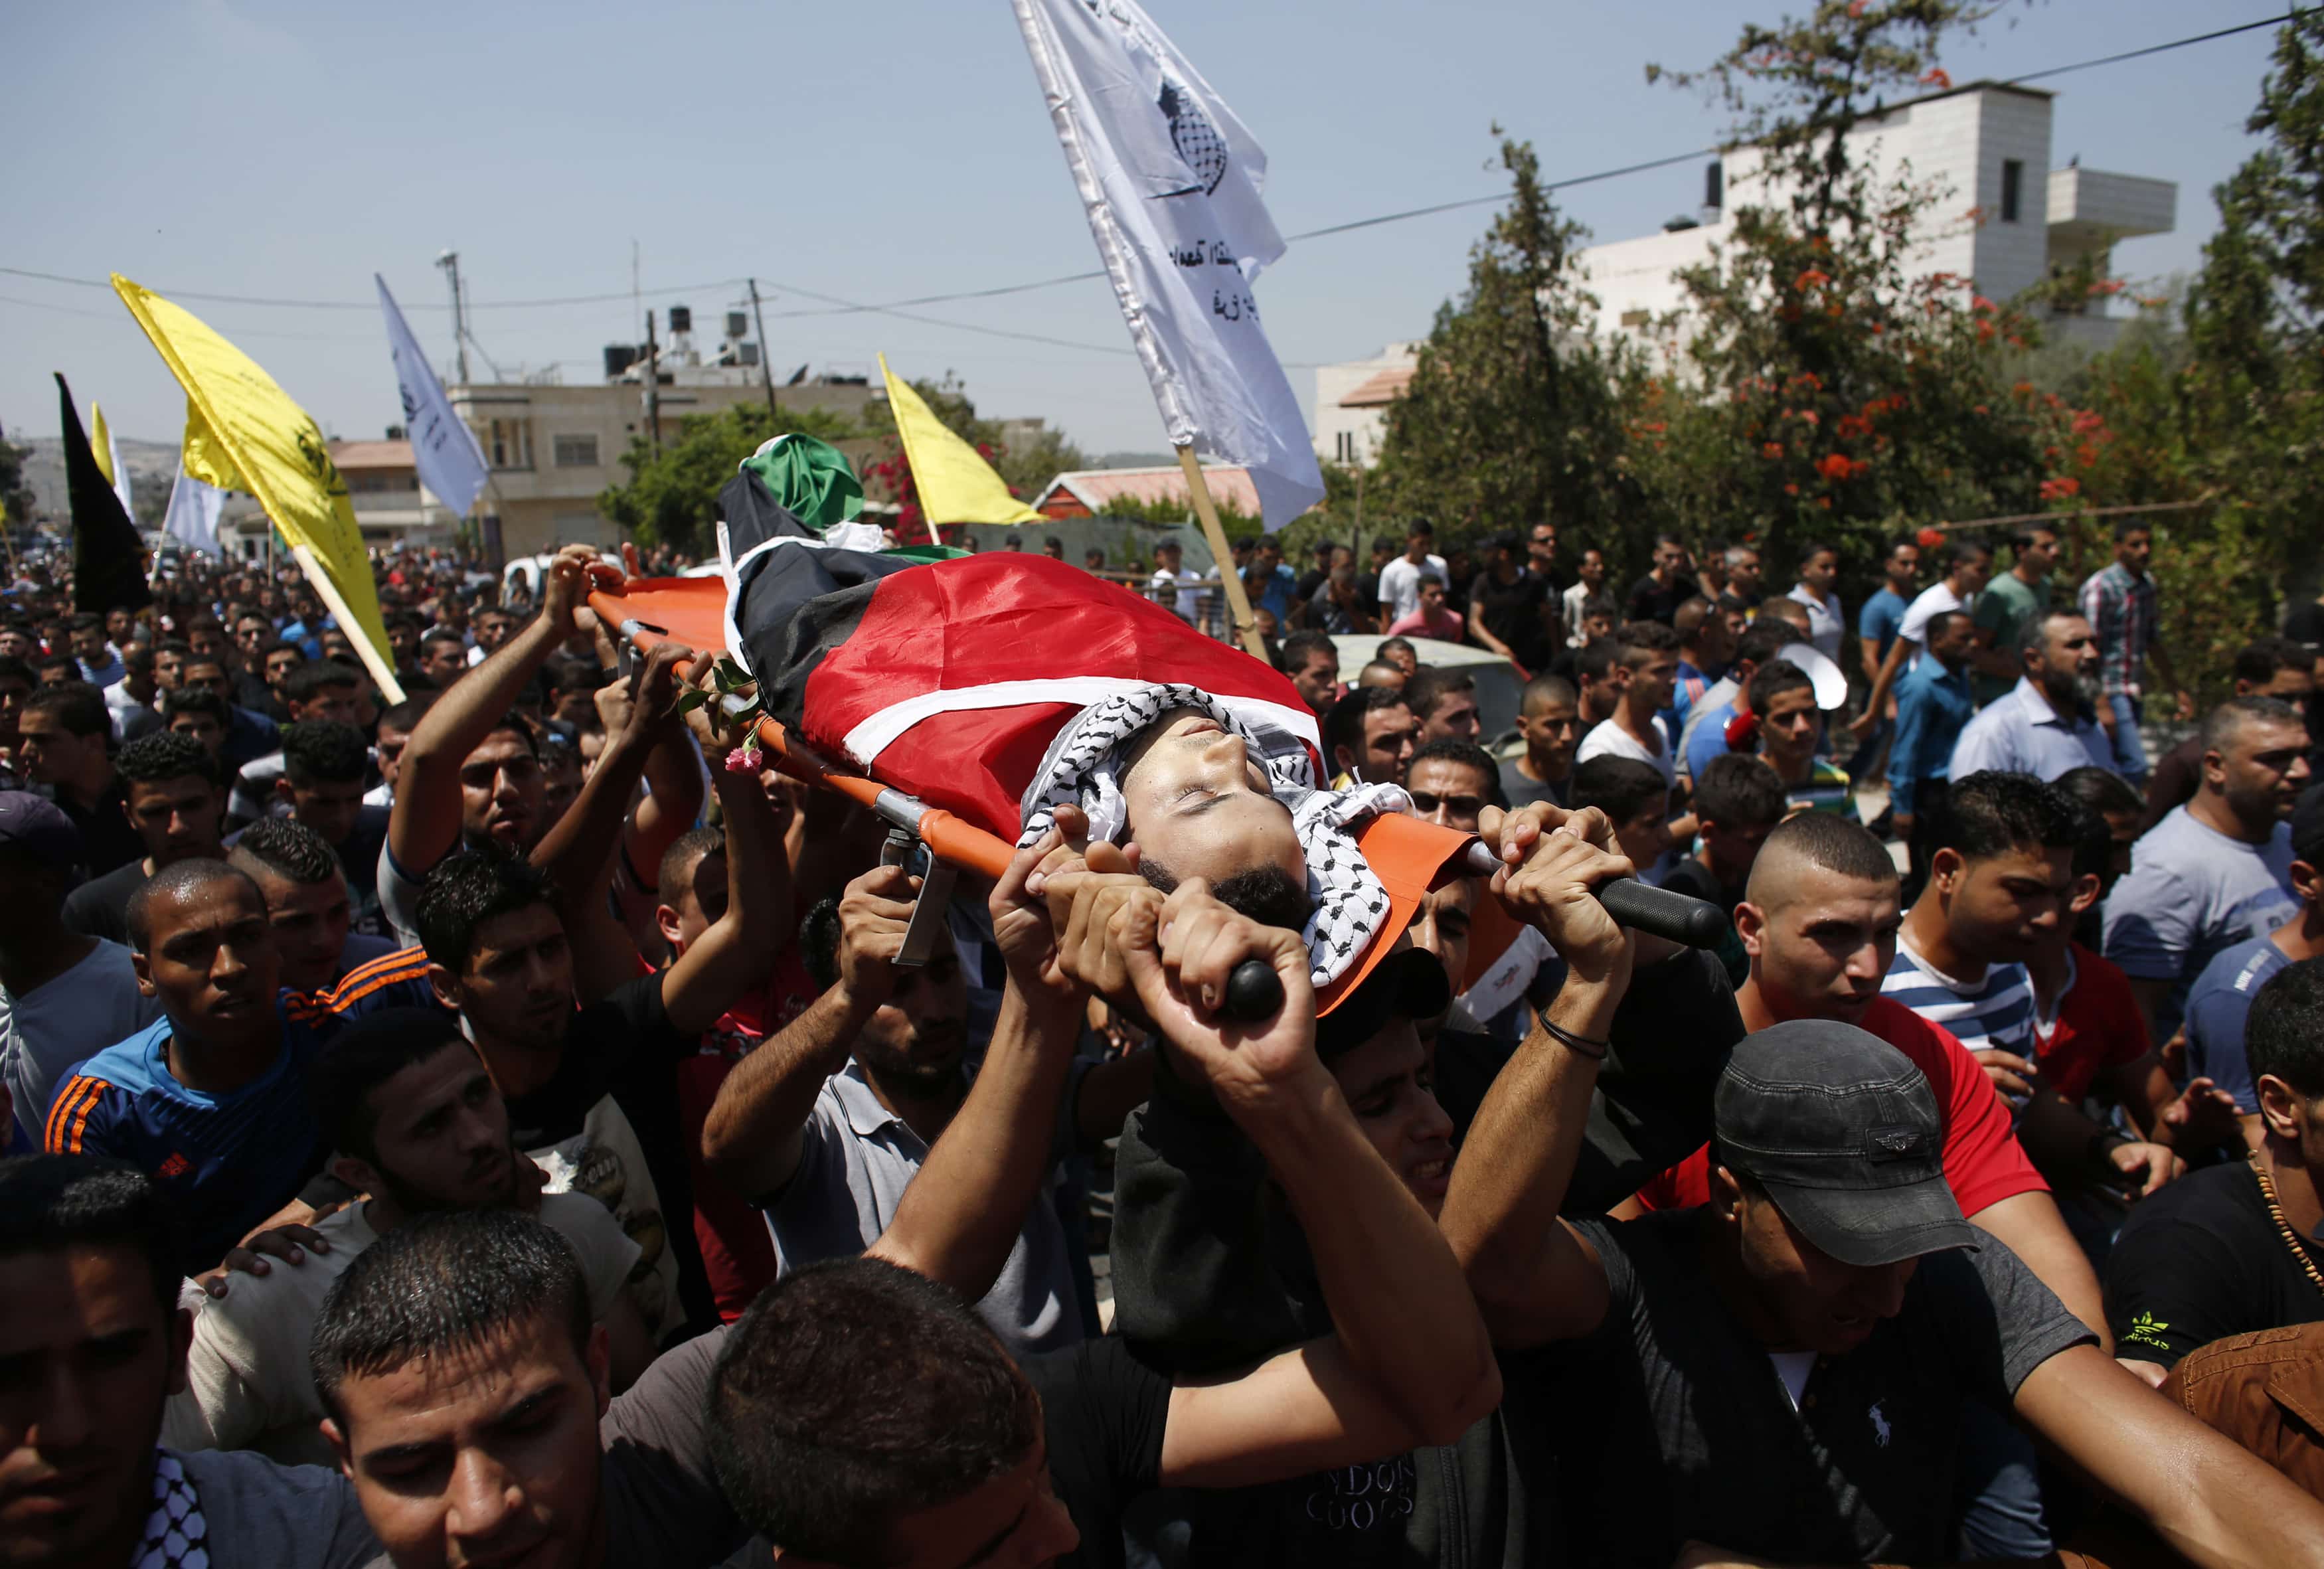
{"x": 1450, "y": 782}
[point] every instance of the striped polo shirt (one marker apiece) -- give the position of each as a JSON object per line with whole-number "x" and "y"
{"x": 1995, "y": 1013}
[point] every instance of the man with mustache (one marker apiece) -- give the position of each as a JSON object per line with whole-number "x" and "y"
{"x": 418, "y": 1125}
{"x": 2045, "y": 727}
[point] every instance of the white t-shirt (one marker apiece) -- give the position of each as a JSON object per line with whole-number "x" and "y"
{"x": 1607, "y": 738}
{"x": 91, "y": 1006}
{"x": 1399, "y": 586}
{"x": 247, "y": 1382}
{"x": 1932, "y": 601}
{"x": 1189, "y": 584}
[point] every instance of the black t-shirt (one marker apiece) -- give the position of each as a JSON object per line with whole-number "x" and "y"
{"x": 1691, "y": 1434}
{"x": 600, "y": 1045}
{"x": 1511, "y": 611}
{"x": 1103, "y": 1413}
{"x": 1692, "y": 878}
{"x": 2305, "y": 625}
{"x": 1650, "y": 600}
{"x": 99, "y": 908}
{"x": 2200, "y": 1260}
{"x": 358, "y": 854}
{"x": 106, "y": 840}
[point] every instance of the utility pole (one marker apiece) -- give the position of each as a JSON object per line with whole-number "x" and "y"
{"x": 766, "y": 361}
{"x": 450, "y": 262}
{"x": 653, "y": 387}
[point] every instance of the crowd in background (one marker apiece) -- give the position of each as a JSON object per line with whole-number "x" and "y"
{"x": 500, "y": 1122}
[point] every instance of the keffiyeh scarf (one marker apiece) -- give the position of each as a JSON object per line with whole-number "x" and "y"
{"x": 1084, "y": 766}
{"x": 176, "y": 1536}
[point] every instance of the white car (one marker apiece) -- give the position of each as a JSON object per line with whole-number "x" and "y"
{"x": 1499, "y": 688}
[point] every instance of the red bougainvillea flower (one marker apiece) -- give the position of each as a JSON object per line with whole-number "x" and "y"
{"x": 1790, "y": 489}
{"x": 1856, "y": 8}
{"x": 1834, "y": 466}
{"x": 1930, "y": 538}
{"x": 2087, "y": 420}
{"x": 2059, "y": 488}
{"x": 1937, "y": 79}
{"x": 1814, "y": 278}
{"x": 1772, "y": 449}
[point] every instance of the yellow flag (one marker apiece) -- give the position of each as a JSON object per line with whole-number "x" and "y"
{"x": 957, "y": 485}
{"x": 100, "y": 443}
{"x": 277, "y": 453}
{"x": 206, "y": 458}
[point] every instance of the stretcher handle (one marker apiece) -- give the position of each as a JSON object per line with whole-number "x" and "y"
{"x": 1254, "y": 991}
{"x": 1660, "y": 912}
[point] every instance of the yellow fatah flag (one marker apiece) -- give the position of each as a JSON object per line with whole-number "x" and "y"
{"x": 276, "y": 452}
{"x": 957, "y": 485}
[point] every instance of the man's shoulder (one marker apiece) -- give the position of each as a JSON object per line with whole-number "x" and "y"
{"x": 1930, "y": 1045}
{"x": 299, "y": 1516}
{"x": 2232, "y": 968}
{"x": 2216, "y": 1202}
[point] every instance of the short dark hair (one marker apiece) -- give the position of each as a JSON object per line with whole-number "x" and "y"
{"x": 173, "y": 882}
{"x": 2221, "y": 724}
{"x": 1772, "y": 680}
{"x": 407, "y": 714}
{"x": 1468, "y": 754}
{"x": 1831, "y": 842}
{"x": 165, "y": 755}
{"x": 1637, "y": 639}
{"x": 1419, "y": 526}
{"x": 686, "y": 853}
{"x": 1619, "y": 787}
{"x": 440, "y": 1283}
{"x": 1967, "y": 548}
{"x": 1266, "y": 894}
{"x": 1430, "y": 685}
{"x": 13, "y": 668}
{"x": 2100, "y": 790}
{"x": 76, "y": 706}
{"x": 365, "y": 1055}
{"x": 286, "y": 848}
{"x": 853, "y": 1392}
{"x": 818, "y": 942}
{"x": 1762, "y": 640}
{"x": 50, "y": 1203}
{"x": 1934, "y": 627}
{"x": 1814, "y": 547}
{"x": 1992, "y": 813}
{"x": 2257, "y": 662}
{"x": 2124, "y": 528}
{"x": 442, "y": 634}
{"x": 2283, "y": 1034}
{"x": 283, "y": 646}
{"x": 197, "y": 700}
{"x": 1546, "y": 688}
{"x": 1344, "y": 724}
{"x": 309, "y": 680}
{"x": 1404, "y": 643}
{"x": 1300, "y": 644}
{"x": 571, "y": 673}
{"x": 324, "y": 752}
{"x": 466, "y": 890}
{"x": 1595, "y": 660}
{"x": 1738, "y": 790}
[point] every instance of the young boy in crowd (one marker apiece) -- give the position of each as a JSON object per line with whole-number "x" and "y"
{"x": 1737, "y": 802}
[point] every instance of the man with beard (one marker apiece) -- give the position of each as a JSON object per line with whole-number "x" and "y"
{"x": 175, "y": 800}
{"x": 93, "y": 1340}
{"x": 2217, "y": 870}
{"x": 2045, "y": 727}
{"x": 417, "y": 1124}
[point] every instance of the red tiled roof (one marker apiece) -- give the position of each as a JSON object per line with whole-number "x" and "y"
{"x": 371, "y": 455}
{"x": 1096, "y": 488}
{"x": 1381, "y": 390}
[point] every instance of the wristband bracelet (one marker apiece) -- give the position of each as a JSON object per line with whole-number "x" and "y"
{"x": 1580, "y": 1045}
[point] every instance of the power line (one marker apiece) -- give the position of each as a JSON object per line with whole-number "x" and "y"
{"x": 839, "y": 307}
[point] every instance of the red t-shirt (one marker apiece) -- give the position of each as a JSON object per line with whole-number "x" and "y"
{"x": 2099, "y": 1026}
{"x": 1983, "y": 1161}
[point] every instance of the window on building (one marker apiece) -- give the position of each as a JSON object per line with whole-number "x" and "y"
{"x": 1635, "y": 318}
{"x": 510, "y": 444}
{"x": 2012, "y": 186}
{"x": 1346, "y": 447}
{"x": 573, "y": 451}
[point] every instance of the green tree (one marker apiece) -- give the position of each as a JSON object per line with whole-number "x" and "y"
{"x": 1026, "y": 467}
{"x": 672, "y": 496}
{"x": 1512, "y": 412}
{"x": 16, "y": 495}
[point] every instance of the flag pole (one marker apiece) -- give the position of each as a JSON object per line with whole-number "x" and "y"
{"x": 1238, "y": 602}
{"x": 382, "y": 673}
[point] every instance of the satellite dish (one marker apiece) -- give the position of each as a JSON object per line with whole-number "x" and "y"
{"x": 1830, "y": 685}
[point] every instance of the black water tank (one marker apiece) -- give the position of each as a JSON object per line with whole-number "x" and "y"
{"x": 619, "y": 357}
{"x": 681, "y": 318}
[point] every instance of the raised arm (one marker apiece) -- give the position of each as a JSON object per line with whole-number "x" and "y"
{"x": 425, "y": 826}
{"x": 961, "y": 1213}
{"x": 1882, "y": 679}
{"x": 722, "y": 964}
{"x": 1535, "y": 1278}
{"x": 2212, "y": 1501}
{"x": 753, "y": 1136}
{"x": 1409, "y": 1363}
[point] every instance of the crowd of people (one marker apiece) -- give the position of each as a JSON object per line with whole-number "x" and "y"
{"x": 516, "y": 1123}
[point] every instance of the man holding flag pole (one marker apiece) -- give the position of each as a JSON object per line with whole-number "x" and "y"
{"x": 1170, "y": 179}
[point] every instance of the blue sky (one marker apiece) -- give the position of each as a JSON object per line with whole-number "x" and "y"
{"x": 873, "y": 152}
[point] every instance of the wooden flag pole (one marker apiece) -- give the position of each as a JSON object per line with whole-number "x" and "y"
{"x": 1238, "y": 602}
{"x": 383, "y": 674}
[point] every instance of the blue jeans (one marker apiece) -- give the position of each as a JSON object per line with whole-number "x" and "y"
{"x": 2129, "y": 751}
{"x": 1997, "y": 1490}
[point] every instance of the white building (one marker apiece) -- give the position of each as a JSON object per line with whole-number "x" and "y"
{"x": 1352, "y": 401}
{"x": 2008, "y": 216}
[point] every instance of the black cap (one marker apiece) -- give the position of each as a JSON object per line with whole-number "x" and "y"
{"x": 38, "y": 826}
{"x": 1842, "y": 1132}
{"x": 1408, "y": 984}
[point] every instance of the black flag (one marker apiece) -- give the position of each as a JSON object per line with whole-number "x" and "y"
{"x": 108, "y": 558}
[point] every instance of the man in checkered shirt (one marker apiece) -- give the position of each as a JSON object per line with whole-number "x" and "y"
{"x": 2120, "y": 602}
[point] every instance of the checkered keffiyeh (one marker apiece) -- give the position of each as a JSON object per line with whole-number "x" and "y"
{"x": 1083, "y": 769}
{"x": 176, "y": 1536}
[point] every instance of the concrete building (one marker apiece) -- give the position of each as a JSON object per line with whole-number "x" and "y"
{"x": 2008, "y": 216}
{"x": 1352, "y": 401}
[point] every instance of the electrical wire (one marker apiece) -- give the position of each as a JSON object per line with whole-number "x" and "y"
{"x": 838, "y": 307}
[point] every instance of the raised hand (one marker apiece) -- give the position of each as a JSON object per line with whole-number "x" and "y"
{"x": 1022, "y": 926}
{"x": 1083, "y": 900}
{"x": 872, "y": 915}
{"x": 1553, "y": 862}
{"x": 566, "y": 591}
{"x": 1179, "y": 953}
